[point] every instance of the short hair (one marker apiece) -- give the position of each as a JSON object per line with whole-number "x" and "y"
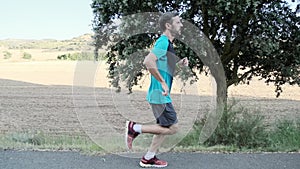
{"x": 166, "y": 18}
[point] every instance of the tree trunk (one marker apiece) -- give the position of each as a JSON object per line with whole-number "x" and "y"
{"x": 215, "y": 114}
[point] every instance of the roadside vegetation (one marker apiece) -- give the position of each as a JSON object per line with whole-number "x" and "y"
{"x": 30, "y": 140}
{"x": 239, "y": 130}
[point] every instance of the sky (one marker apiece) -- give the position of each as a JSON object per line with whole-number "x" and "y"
{"x": 47, "y": 19}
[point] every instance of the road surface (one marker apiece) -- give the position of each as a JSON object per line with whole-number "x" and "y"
{"x": 75, "y": 160}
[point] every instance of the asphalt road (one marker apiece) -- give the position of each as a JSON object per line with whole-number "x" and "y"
{"x": 74, "y": 160}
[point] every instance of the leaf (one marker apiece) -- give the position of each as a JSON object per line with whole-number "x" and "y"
{"x": 255, "y": 28}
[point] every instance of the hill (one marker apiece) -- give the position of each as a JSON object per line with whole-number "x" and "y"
{"x": 20, "y": 50}
{"x": 81, "y": 43}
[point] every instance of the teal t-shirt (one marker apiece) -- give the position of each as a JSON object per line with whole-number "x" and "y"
{"x": 166, "y": 63}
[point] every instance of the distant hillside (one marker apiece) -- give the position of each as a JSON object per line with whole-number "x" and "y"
{"x": 81, "y": 43}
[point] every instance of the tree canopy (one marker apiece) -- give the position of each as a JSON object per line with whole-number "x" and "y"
{"x": 254, "y": 38}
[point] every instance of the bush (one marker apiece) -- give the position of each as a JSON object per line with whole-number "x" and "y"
{"x": 27, "y": 55}
{"x": 241, "y": 128}
{"x": 28, "y": 137}
{"x": 286, "y": 136}
{"x": 77, "y": 56}
{"x": 238, "y": 127}
{"x": 63, "y": 57}
{"x": 192, "y": 138}
{"x": 7, "y": 55}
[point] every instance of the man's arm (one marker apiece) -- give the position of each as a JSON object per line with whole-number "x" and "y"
{"x": 183, "y": 62}
{"x": 150, "y": 63}
{"x": 181, "y": 65}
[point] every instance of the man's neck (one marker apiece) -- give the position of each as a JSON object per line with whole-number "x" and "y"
{"x": 169, "y": 35}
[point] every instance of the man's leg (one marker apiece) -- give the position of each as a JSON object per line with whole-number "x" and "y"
{"x": 156, "y": 142}
{"x": 131, "y": 133}
{"x": 158, "y": 139}
{"x": 150, "y": 160}
{"x": 159, "y": 130}
{"x": 166, "y": 125}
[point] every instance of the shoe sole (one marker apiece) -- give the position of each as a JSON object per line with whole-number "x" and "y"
{"x": 152, "y": 166}
{"x": 126, "y": 134}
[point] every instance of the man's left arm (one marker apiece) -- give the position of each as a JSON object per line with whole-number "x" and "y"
{"x": 183, "y": 62}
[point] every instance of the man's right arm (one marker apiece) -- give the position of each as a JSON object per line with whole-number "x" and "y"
{"x": 150, "y": 63}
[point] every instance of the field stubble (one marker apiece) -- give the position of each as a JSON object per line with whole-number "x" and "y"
{"x": 37, "y": 96}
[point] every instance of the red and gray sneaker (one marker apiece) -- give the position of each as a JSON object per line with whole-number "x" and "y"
{"x": 153, "y": 162}
{"x": 130, "y": 134}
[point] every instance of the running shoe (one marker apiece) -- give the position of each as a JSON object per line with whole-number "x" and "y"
{"x": 130, "y": 134}
{"x": 153, "y": 162}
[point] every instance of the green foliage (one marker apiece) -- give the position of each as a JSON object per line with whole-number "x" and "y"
{"x": 76, "y": 56}
{"x": 39, "y": 140}
{"x": 286, "y": 136}
{"x": 7, "y": 55}
{"x": 244, "y": 130}
{"x": 27, "y": 55}
{"x": 252, "y": 37}
{"x": 28, "y": 138}
{"x": 130, "y": 70}
{"x": 238, "y": 127}
{"x": 192, "y": 139}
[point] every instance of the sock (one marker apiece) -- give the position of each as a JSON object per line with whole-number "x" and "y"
{"x": 137, "y": 128}
{"x": 149, "y": 155}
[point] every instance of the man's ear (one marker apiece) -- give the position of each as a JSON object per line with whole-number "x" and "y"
{"x": 168, "y": 25}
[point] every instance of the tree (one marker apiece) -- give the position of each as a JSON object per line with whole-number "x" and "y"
{"x": 254, "y": 38}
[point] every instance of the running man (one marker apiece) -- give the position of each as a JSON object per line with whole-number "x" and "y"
{"x": 161, "y": 63}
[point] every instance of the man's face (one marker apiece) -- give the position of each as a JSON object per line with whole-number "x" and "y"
{"x": 176, "y": 26}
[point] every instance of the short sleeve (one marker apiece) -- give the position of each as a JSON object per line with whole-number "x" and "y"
{"x": 160, "y": 47}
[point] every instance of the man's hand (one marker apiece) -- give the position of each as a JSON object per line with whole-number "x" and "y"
{"x": 183, "y": 62}
{"x": 165, "y": 88}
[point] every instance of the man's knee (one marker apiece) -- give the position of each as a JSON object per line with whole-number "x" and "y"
{"x": 174, "y": 129}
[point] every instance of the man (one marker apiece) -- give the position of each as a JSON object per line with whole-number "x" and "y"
{"x": 161, "y": 63}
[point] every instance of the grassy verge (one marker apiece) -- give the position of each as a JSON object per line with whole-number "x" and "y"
{"x": 41, "y": 141}
{"x": 239, "y": 130}
{"x": 285, "y": 136}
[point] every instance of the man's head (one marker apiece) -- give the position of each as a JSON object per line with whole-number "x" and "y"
{"x": 170, "y": 21}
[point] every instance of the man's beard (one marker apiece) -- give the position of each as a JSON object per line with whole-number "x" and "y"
{"x": 175, "y": 33}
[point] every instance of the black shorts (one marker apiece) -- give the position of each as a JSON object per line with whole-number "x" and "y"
{"x": 165, "y": 114}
